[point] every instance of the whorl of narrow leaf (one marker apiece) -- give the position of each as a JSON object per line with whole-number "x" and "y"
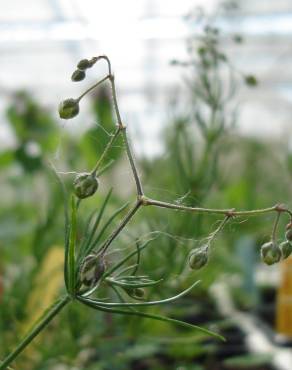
{"x": 153, "y": 317}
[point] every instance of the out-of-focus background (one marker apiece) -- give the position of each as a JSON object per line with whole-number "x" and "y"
{"x": 205, "y": 89}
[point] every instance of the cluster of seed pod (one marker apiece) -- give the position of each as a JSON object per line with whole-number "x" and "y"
{"x": 272, "y": 253}
{"x": 79, "y": 74}
{"x": 69, "y": 108}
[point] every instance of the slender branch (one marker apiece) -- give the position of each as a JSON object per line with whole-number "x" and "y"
{"x": 228, "y": 212}
{"x": 120, "y": 227}
{"x": 35, "y": 331}
{"x": 132, "y": 164}
{"x": 107, "y": 148}
{"x": 92, "y": 87}
{"x": 126, "y": 141}
{"x": 213, "y": 235}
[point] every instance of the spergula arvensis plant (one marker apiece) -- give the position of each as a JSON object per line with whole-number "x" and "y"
{"x": 84, "y": 267}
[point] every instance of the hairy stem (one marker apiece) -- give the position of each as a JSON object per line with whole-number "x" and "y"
{"x": 219, "y": 229}
{"x": 92, "y": 87}
{"x": 121, "y": 226}
{"x": 132, "y": 164}
{"x": 228, "y": 212}
{"x": 107, "y": 148}
{"x": 35, "y": 331}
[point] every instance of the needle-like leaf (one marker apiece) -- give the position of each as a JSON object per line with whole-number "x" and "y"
{"x": 154, "y": 317}
{"x": 136, "y": 304}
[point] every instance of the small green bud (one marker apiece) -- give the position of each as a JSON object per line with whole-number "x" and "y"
{"x": 85, "y": 185}
{"x": 78, "y": 75}
{"x": 251, "y": 81}
{"x": 198, "y": 257}
{"x": 92, "y": 269}
{"x": 68, "y": 108}
{"x": 83, "y": 64}
{"x": 286, "y": 249}
{"x": 270, "y": 253}
{"x": 289, "y": 235}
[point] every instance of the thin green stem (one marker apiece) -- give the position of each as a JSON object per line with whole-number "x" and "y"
{"x": 120, "y": 227}
{"x": 92, "y": 88}
{"x": 213, "y": 235}
{"x": 132, "y": 164}
{"x": 35, "y": 331}
{"x": 115, "y": 100}
{"x": 125, "y": 138}
{"x": 107, "y": 148}
{"x": 227, "y": 212}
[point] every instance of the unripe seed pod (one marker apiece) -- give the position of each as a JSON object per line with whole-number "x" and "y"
{"x": 270, "y": 253}
{"x": 286, "y": 249}
{"x": 198, "y": 257}
{"x": 92, "y": 269}
{"x": 85, "y": 185}
{"x": 83, "y": 64}
{"x": 68, "y": 108}
{"x": 78, "y": 75}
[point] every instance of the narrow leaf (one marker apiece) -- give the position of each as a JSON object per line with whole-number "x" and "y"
{"x": 84, "y": 249}
{"x": 102, "y": 231}
{"x": 151, "y": 303}
{"x": 155, "y": 317}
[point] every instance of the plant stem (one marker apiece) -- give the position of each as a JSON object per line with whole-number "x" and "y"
{"x": 227, "y": 212}
{"x": 125, "y": 138}
{"x": 35, "y": 331}
{"x": 219, "y": 229}
{"x": 120, "y": 227}
{"x": 92, "y": 87}
{"x": 132, "y": 164}
{"x": 107, "y": 148}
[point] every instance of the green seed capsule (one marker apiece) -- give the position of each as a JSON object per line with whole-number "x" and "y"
{"x": 85, "y": 185}
{"x": 198, "y": 257}
{"x": 286, "y": 249}
{"x": 83, "y": 64}
{"x": 270, "y": 253}
{"x": 92, "y": 269}
{"x": 68, "y": 108}
{"x": 78, "y": 75}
